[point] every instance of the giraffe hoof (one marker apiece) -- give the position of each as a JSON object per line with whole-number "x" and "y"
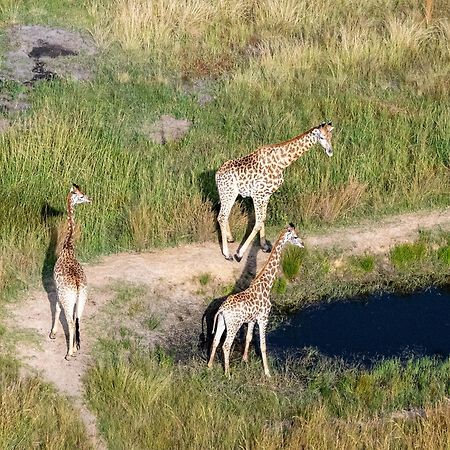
{"x": 52, "y": 335}
{"x": 229, "y": 258}
{"x": 237, "y": 257}
{"x": 67, "y": 357}
{"x": 230, "y": 241}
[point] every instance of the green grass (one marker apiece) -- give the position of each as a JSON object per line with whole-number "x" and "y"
{"x": 34, "y": 415}
{"x": 272, "y": 74}
{"x": 291, "y": 261}
{"x": 204, "y": 278}
{"x": 279, "y": 286}
{"x": 147, "y": 400}
{"x": 444, "y": 254}
{"x": 364, "y": 263}
{"x": 152, "y": 322}
{"x": 403, "y": 256}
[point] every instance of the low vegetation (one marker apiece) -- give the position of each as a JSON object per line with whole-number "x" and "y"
{"x": 147, "y": 400}
{"x": 330, "y": 275}
{"x": 34, "y": 415}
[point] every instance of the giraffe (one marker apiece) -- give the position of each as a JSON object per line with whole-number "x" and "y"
{"x": 252, "y": 305}
{"x": 259, "y": 175}
{"x": 70, "y": 280}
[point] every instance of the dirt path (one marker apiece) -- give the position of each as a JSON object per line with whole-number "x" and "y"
{"x": 173, "y": 292}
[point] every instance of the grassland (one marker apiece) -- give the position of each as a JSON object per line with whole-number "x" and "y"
{"x": 378, "y": 69}
{"x": 34, "y": 415}
{"x": 274, "y": 69}
{"x": 146, "y": 400}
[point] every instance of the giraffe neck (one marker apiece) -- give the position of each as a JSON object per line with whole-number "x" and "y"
{"x": 288, "y": 152}
{"x": 68, "y": 241}
{"x": 269, "y": 271}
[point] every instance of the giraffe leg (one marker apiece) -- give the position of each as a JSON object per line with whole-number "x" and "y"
{"x": 248, "y": 339}
{"x": 262, "y": 343}
{"x": 231, "y": 333}
{"x": 265, "y": 246}
{"x": 222, "y": 218}
{"x": 55, "y": 320}
{"x": 260, "y": 217}
{"x": 219, "y": 331}
{"x": 68, "y": 301}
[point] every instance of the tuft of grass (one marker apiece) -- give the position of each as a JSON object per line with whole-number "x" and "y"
{"x": 444, "y": 254}
{"x": 364, "y": 263}
{"x": 403, "y": 256}
{"x": 204, "y": 278}
{"x": 152, "y": 322}
{"x": 279, "y": 286}
{"x": 291, "y": 261}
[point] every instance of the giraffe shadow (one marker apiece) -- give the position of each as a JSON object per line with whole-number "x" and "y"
{"x": 48, "y": 215}
{"x": 243, "y": 282}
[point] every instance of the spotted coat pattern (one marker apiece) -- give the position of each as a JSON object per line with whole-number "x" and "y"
{"x": 70, "y": 280}
{"x": 252, "y": 305}
{"x": 259, "y": 175}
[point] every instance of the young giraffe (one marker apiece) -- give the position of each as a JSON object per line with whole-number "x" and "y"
{"x": 69, "y": 278}
{"x": 252, "y": 305}
{"x": 259, "y": 175}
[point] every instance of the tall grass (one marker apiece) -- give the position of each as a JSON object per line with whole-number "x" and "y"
{"x": 34, "y": 415}
{"x": 149, "y": 401}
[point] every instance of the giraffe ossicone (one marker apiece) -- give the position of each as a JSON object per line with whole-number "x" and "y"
{"x": 70, "y": 280}
{"x": 258, "y": 175}
{"x": 251, "y": 306}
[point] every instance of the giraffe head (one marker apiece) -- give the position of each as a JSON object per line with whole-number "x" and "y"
{"x": 76, "y": 196}
{"x": 323, "y": 135}
{"x": 290, "y": 236}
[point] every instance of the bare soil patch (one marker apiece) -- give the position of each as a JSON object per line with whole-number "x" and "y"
{"x": 39, "y": 52}
{"x": 165, "y": 129}
{"x": 172, "y": 294}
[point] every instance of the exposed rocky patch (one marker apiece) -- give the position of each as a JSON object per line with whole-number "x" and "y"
{"x": 166, "y": 128}
{"x": 39, "y": 52}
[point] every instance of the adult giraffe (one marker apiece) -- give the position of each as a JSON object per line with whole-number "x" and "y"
{"x": 259, "y": 175}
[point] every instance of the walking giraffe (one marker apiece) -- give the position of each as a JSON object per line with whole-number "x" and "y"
{"x": 251, "y": 306}
{"x": 69, "y": 278}
{"x": 259, "y": 175}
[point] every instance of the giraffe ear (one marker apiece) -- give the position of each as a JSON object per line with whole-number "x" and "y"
{"x": 291, "y": 226}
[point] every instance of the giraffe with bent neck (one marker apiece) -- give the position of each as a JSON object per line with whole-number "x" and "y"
{"x": 259, "y": 175}
{"x": 70, "y": 280}
{"x": 252, "y": 305}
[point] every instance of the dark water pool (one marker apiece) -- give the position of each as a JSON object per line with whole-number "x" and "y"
{"x": 365, "y": 330}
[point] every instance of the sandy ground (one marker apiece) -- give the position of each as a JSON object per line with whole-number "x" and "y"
{"x": 173, "y": 292}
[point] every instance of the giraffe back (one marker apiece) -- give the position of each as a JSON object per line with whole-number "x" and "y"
{"x": 257, "y": 172}
{"x": 68, "y": 272}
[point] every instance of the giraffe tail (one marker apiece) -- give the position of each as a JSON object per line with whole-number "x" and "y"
{"x": 77, "y": 333}
{"x": 215, "y": 321}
